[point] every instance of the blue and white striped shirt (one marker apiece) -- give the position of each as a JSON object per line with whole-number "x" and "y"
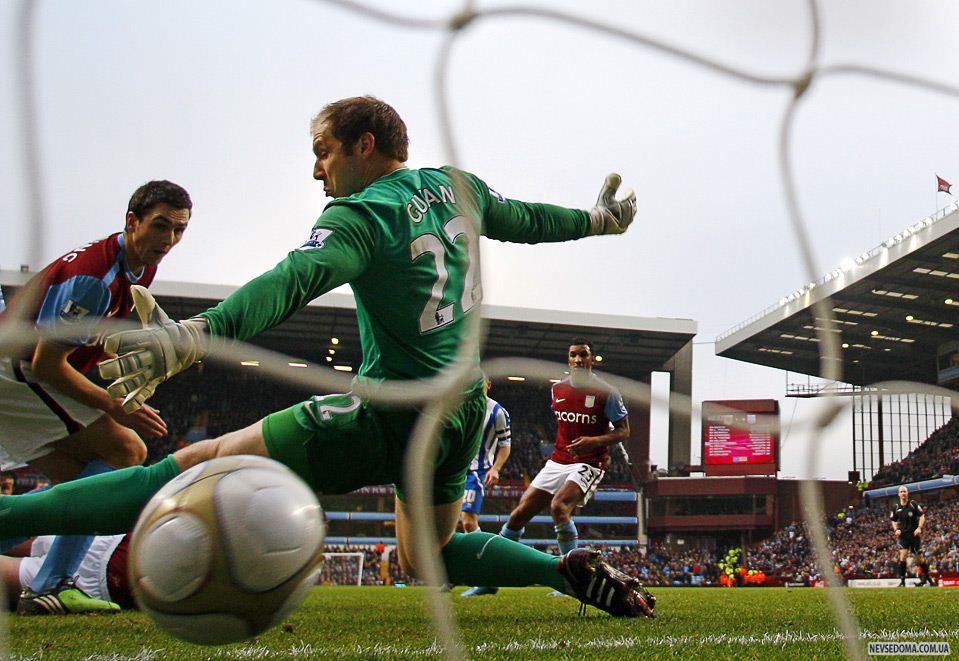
{"x": 496, "y": 434}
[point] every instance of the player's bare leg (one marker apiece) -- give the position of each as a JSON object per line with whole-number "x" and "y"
{"x": 102, "y": 446}
{"x": 444, "y": 520}
{"x": 564, "y": 501}
{"x": 10, "y": 575}
{"x": 248, "y": 440}
{"x": 108, "y": 441}
{"x": 103, "y": 440}
{"x": 58, "y": 466}
{"x": 531, "y": 503}
{"x": 470, "y": 521}
{"x": 561, "y": 509}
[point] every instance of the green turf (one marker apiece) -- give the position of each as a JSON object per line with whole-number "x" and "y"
{"x": 391, "y": 623}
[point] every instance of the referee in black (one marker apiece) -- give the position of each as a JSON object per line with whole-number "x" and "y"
{"x": 908, "y": 519}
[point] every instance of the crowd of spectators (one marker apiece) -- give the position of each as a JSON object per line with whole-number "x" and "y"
{"x": 862, "y": 541}
{"x": 532, "y": 427}
{"x": 863, "y": 546}
{"x": 936, "y": 456}
{"x": 663, "y": 565}
{"x": 208, "y": 401}
{"x": 342, "y": 570}
{"x": 786, "y": 554}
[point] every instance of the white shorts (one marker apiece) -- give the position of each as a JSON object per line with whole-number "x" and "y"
{"x": 554, "y": 475}
{"x": 92, "y": 573}
{"x": 33, "y": 415}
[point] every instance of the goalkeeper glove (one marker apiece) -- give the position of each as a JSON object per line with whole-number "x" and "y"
{"x": 612, "y": 216}
{"x": 147, "y": 357}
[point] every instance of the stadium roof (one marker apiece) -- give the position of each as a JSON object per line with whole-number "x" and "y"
{"x": 630, "y": 346}
{"x": 894, "y": 306}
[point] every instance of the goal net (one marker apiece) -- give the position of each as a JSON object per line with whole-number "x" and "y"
{"x": 842, "y": 119}
{"x": 342, "y": 569}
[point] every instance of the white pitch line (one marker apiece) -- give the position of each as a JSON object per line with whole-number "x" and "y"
{"x": 777, "y": 639}
{"x": 383, "y": 651}
{"x": 145, "y": 654}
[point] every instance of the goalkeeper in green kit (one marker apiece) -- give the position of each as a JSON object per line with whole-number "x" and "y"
{"x": 406, "y": 242}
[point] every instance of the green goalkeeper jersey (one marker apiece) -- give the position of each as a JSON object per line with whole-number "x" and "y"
{"x": 407, "y": 245}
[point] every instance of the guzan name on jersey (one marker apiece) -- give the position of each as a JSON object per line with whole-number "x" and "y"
{"x": 425, "y": 198}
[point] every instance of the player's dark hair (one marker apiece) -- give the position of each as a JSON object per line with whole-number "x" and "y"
{"x": 153, "y": 193}
{"x": 582, "y": 341}
{"x": 350, "y": 118}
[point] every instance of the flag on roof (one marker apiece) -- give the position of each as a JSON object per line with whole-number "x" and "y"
{"x": 944, "y": 185}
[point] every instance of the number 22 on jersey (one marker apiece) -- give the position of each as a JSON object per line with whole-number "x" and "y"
{"x": 469, "y": 290}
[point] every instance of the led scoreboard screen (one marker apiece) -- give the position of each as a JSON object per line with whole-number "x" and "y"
{"x": 740, "y": 437}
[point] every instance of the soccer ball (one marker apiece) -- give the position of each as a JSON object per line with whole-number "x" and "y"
{"x": 226, "y": 550}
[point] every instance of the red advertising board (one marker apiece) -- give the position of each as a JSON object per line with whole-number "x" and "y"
{"x": 740, "y": 437}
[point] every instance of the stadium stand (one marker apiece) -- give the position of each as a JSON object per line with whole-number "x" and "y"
{"x": 209, "y": 401}
{"x": 935, "y": 457}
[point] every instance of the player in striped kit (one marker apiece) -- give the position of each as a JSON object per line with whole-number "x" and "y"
{"x": 590, "y": 418}
{"x": 484, "y": 471}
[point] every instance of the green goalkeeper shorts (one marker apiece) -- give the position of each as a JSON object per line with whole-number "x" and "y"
{"x": 338, "y": 443}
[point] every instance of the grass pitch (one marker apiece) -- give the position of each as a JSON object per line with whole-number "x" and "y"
{"x": 392, "y": 623}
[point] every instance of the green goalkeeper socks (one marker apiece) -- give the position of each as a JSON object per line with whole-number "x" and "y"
{"x": 103, "y": 504}
{"x": 481, "y": 558}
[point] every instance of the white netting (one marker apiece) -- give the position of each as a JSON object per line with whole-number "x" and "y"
{"x": 439, "y": 395}
{"x": 342, "y": 568}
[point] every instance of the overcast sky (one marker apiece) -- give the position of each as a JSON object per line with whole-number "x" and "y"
{"x": 218, "y": 96}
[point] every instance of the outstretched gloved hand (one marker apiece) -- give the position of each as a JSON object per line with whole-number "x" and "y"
{"x": 612, "y": 216}
{"x": 147, "y": 357}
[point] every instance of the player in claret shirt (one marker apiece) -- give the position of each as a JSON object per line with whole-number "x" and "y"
{"x": 590, "y": 418}
{"x": 52, "y": 417}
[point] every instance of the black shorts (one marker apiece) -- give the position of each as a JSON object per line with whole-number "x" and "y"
{"x": 909, "y": 542}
